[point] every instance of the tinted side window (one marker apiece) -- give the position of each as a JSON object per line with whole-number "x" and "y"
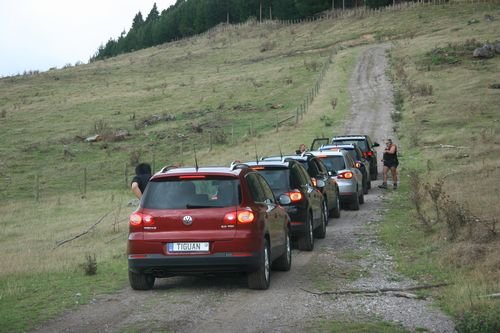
{"x": 313, "y": 168}
{"x": 255, "y": 188}
{"x": 321, "y": 166}
{"x": 266, "y": 190}
{"x": 305, "y": 176}
{"x": 349, "y": 161}
{"x": 296, "y": 178}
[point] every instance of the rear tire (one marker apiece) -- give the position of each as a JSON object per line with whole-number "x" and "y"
{"x": 374, "y": 174}
{"x": 365, "y": 184}
{"x": 361, "y": 198}
{"x": 284, "y": 262}
{"x": 261, "y": 278}
{"x": 141, "y": 281}
{"x": 306, "y": 241}
{"x": 355, "y": 202}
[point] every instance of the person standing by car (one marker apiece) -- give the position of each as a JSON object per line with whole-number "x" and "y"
{"x": 141, "y": 179}
{"x": 390, "y": 159}
{"x": 302, "y": 149}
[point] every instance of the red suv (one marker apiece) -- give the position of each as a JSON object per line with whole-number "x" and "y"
{"x": 208, "y": 220}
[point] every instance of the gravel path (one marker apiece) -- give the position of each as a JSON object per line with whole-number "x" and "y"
{"x": 350, "y": 257}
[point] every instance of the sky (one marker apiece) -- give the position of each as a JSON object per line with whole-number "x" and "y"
{"x": 40, "y": 34}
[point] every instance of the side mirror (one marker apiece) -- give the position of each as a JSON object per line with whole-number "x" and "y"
{"x": 298, "y": 152}
{"x": 375, "y": 144}
{"x": 320, "y": 183}
{"x": 284, "y": 200}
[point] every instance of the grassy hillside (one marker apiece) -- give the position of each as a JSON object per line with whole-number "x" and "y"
{"x": 224, "y": 92}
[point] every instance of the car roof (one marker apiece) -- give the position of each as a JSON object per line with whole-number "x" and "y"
{"x": 339, "y": 152}
{"x": 342, "y": 146}
{"x": 350, "y": 137}
{"x": 280, "y": 163}
{"x": 301, "y": 158}
{"x": 171, "y": 171}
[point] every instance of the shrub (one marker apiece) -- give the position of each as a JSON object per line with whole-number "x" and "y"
{"x": 90, "y": 265}
{"x": 267, "y": 46}
{"x": 473, "y": 321}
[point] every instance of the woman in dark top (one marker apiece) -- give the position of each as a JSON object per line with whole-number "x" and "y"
{"x": 141, "y": 179}
{"x": 391, "y": 162}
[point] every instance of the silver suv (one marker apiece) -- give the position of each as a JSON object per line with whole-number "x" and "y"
{"x": 342, "y": 167}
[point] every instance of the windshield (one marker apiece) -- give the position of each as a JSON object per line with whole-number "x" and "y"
{"x": 193, "y": 193}
{"x": 334, "y": 163}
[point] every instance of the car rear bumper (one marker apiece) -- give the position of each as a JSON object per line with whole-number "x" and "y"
{"x": 161, "y": 265}
{"x": 347, "y": 189}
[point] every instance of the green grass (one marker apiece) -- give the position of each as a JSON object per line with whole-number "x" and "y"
{"x": 222, "y": 82}
{"x": 26, "y": 299}
{"x": 358, "y": 327}
{"x": 451, "y": 136}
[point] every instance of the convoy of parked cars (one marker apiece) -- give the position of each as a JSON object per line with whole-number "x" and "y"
{"x": 245, "y": 217}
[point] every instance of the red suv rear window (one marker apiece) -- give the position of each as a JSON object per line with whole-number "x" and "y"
{"x": 188, "y": 193}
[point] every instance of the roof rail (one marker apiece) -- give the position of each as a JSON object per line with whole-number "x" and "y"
{"x": 168, "y": 167}
{"x": 238, "y": 165}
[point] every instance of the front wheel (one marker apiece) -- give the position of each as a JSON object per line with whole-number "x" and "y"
{"x": 320, "y": 232}
{"x": 374, "y": 173}
{"x": 365, "y": 184}
{"x": 306, "y": 240}
{"x": 284, "y": 262}
{"x": 261, "y": 278}
{"x": 336, "y": 210}
{"x": 355, "y": 202}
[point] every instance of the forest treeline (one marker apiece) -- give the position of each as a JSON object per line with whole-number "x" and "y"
{"x": 190, "y": 17}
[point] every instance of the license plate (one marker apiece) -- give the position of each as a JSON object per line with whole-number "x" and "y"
{"x": 188, "y": 247}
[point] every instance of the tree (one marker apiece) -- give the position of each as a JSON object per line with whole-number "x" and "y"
{"x": 153, "y": 14}
{"x": 311, "y": 7}
{"x": 138, "y": 22}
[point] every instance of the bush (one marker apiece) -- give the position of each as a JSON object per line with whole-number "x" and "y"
{"x": 485, "y": 321}
{"x": 90, "y": 265}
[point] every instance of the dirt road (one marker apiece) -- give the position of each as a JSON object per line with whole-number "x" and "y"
{"x": 350, "y": 257}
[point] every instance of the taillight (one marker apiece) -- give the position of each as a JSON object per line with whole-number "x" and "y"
{"x": 345, "y": 175}
{"x": 230, "y": 218}
{"x": 295, "y": 196}
{"x": 315, "y": 182}
{"x": 246, "y": 216}
{"x": 241, "y": 216}
{"x": 137, "y": 219}
{"x": 369, "y": 153}
{"x": 357, "y": 165}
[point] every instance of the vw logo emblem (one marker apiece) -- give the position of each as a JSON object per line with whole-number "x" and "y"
{"x": 187, "y": 220}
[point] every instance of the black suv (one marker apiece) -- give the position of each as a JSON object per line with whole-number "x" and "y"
{"x": 320, "y": 177}
{"x": 306, "y": 209}
{"x": 359, "y": 161}
{"x": 366, "y": 144}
